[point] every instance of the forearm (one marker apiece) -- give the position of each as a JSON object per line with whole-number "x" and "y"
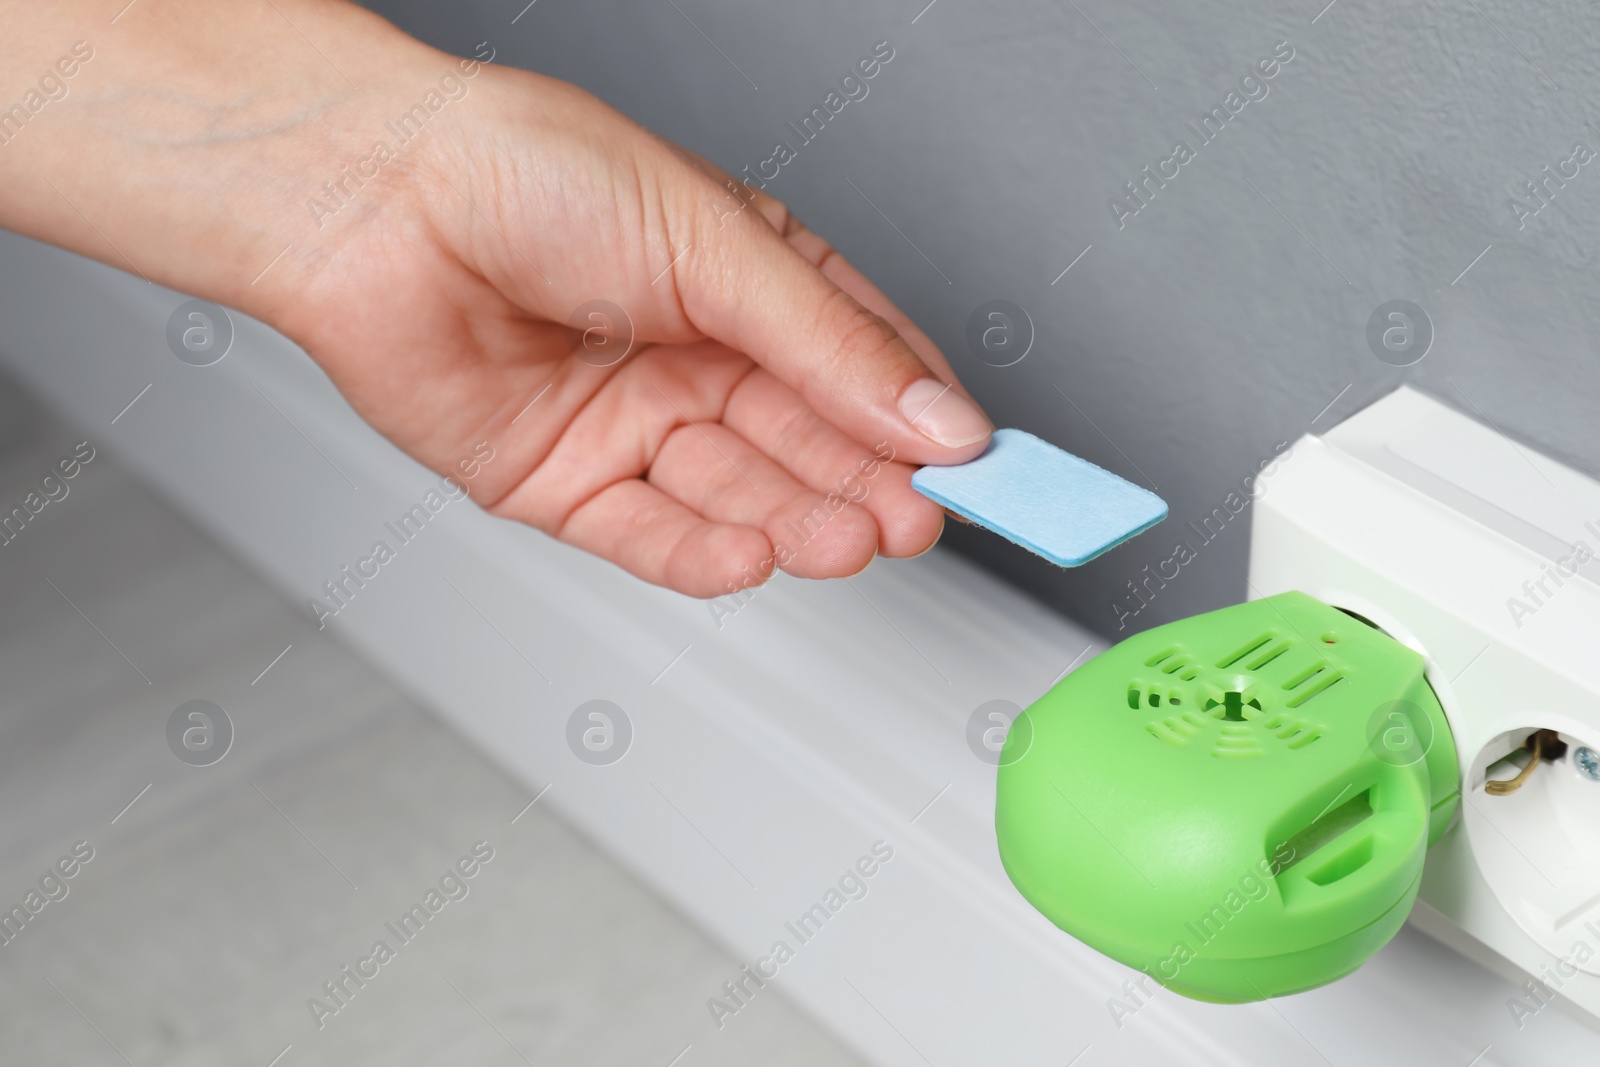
{"x": 181, "y": 140}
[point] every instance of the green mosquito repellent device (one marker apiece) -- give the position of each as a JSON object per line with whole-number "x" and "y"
{"x": 1237, "y": 804}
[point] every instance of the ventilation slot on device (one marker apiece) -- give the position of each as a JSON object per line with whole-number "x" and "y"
{"x": 1172, "y": 661}
{"x": 1140, "y": 694}
{"x": 1237, "y": 741}
{"x": 1343, "y": 865}
{"x": 1324, "y": 831}
{"x": 1313, "y": 681}
{"x": 1177, "y": 730}
{"x": 1268, "y": 654}
{"x": 1253, "y": 645}
{"x": 1296, "y": 733}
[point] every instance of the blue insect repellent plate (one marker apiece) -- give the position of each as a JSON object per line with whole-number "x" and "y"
{"x": 1043, "y": 498}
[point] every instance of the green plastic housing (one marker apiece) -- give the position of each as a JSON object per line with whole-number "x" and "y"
{"x": 1237, "y": 804}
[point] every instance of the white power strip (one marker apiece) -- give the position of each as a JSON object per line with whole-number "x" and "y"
{"x": 767, "y": 758}
{"x": 1479, "y": 553}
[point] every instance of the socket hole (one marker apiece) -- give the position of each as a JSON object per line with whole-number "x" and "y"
{"x": 1330, "y": 638}
{"x": 1552, "y": 748}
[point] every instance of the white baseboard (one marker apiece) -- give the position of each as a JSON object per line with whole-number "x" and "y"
{"x": 820, "y": 719}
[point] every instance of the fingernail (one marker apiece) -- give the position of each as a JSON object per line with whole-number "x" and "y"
{"x": 943, "y": 414}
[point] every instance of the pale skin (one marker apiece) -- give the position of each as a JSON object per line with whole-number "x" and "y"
{"x": 436, "y": 293}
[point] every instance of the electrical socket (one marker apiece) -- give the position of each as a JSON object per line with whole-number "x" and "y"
{"x": 1480, "y": 554}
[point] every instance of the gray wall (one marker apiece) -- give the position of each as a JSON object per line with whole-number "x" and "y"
{"x": 1222, "y": 318}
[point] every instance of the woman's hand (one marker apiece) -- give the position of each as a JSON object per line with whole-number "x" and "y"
{"x": 673, "y": 372}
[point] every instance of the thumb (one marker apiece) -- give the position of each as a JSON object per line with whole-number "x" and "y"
{"x": 752, "y": 290}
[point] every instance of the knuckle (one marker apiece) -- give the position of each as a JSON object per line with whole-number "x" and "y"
{"x": 853, "y": 333}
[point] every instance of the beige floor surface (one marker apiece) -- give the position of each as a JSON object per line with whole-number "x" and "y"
{"x": 219, "y": 902}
